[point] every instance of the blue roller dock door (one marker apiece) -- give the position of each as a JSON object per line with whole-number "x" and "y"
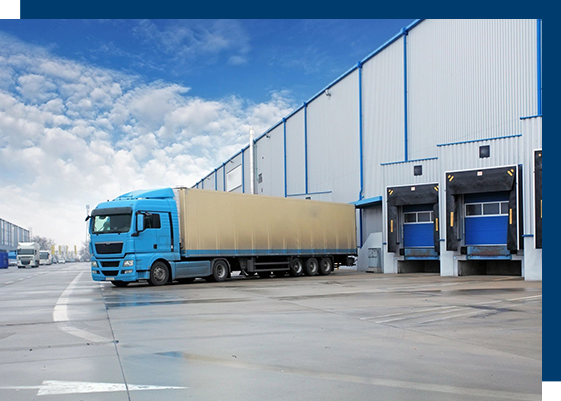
{"x": 418, "y": 226}
{"x": 486, "y": 218}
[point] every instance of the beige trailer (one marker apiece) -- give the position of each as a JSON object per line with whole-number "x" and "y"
{"x": 256, "y": 232}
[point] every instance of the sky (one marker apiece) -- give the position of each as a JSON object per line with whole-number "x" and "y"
{"x": 91, "y": 109}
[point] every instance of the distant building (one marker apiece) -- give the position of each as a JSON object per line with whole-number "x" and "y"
{"x": 10, "y": 235}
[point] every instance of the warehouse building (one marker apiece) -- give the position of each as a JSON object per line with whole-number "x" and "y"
{"x": 10, "y": 235}
{"x": 436, "y": 137}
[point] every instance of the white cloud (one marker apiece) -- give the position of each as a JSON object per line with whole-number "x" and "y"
{"x": 72, "y": 134}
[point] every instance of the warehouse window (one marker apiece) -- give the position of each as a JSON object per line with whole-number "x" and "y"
{"x": 417, "y": 170}
{"x": 486, "y": 209}
{"x": 484, "y": 151}
{"x": 417, "y": 217}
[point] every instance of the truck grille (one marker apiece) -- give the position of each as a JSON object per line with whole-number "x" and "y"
{"x": 110, "y": 264}
{"x": 104, "y": 248}
{"x": 111, "y": 273}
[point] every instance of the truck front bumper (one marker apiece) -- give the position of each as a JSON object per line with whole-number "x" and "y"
{"x": 113, "y": 270}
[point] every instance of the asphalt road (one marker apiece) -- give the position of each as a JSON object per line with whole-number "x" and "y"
{"x": 350, "y": 335}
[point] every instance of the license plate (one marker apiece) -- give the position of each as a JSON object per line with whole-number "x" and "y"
{"x": 109, "y": 278}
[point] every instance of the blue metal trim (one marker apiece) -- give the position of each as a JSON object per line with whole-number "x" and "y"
{"x": 526, "y": 118}
{"x": 409, "y": 161}
{"x": 367, "y": 202}
{"x": 404, "y": 33}
{"x": 311, "y": 193}
{"x": 389, "y": 42}
{"x": 361, "y": 193}
{"x": 243, "y": 173}
{"x": 306, "y": 145}
{"x": 539, "y": 67}
{"x": 284, "y": 140}
{"x": 527, "y": 235}
{"x": 479, "y": 140}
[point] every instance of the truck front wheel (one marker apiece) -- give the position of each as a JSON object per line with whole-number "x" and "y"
{"x": 220, "y": 270}
{"x": 159, "y": 274}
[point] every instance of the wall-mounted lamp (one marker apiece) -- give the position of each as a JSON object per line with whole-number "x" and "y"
{"x": 327, "y": 93}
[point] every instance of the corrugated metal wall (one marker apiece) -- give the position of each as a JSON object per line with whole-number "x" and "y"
{"x": 403, "y": 173}
{"x": 532, "y": 140}
{"x": 383, "y": 115}
{"x": 295, "y": 154}
{"x": 465, "y": 156}
{"x": 269, "y": 152}
{"x": 333, "y": 141}
{"x": 469, "y": 79}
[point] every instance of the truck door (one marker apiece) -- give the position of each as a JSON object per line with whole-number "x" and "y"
{"x": 157, "y": 233}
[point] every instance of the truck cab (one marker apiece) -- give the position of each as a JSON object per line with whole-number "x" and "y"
{"x": 45, "y": 258}
{"x": 130, "y": 233}
{"x": 28, "y": 254}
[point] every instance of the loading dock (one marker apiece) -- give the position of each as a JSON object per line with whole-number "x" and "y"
{"x": 482, "y": 220}
{"x": 413, "y": 227}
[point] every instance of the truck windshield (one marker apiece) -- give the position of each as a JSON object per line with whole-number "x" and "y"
{"x": 43, "y": 255}
{"x": 112, "y": 223}
{"x": 26, "y": 251}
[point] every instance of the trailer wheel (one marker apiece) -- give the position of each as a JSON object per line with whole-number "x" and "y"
{"x": 312, "y": 267}
{"x": 220, "y": 270}
{"x": 325, "y": 266}
{"x": 296, "y": 267}
{"x": 120, "y": 283}
{"x": 159, "y": 274}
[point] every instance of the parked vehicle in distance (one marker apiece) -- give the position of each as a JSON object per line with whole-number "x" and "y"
{"x": 164, "y": 235}
{"x": 45, "y": 258}
{"x": 28, "y": 254}
{"x": 61, "y": 260}
{"x": 12, "y": 258}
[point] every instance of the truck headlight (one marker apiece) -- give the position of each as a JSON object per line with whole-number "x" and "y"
{"x": 95, "y": 271}
{"x": 94, "y": 263}
{"x": 128, "y": 263}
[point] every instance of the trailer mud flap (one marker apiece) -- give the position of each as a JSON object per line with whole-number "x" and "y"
{"x": 406, "y": 196}
{"x": 481, "y": 181}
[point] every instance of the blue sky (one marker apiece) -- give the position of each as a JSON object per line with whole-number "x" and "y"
{"x": 90, "y": 109}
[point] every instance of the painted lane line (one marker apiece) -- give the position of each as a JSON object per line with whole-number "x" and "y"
{"x": 419, "y": 316}
{"x": 436, "y": 308}
{"x": 53, "y": 387}
{"x": 60, "y": 315}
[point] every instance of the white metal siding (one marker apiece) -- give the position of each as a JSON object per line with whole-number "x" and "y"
{"x": 465, "y": 156}
{"x": 469, "y": 79}
{"x": 383, "y": 115}
{"x": 532, "y": 140}
{"x": 333, "y": 141}
{"x": 270, "y": 162}
{"x": 295, "y": 156}
{"x": 402, "y": 173}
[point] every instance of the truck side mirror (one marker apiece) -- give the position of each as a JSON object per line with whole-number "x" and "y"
{"x": 139, "y": 224}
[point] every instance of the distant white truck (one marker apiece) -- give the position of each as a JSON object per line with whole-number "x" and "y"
{"x": 28, "y": 254}
{"x": 45, "y": 258}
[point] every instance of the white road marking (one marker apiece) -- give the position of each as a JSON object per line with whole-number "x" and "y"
{"x": 518, "y": 299}
{"x": 60, "y": 315}
{"x": 53, "y": 387}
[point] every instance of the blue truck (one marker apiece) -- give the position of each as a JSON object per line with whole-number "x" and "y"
{"x": 165, "y": 235}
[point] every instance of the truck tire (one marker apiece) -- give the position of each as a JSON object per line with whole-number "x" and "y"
{"x": 325, "y": 266}
{"x": 220, "y": 271}
{"x": 296, "y": 267}
{"x": 120, "y": 283}
{"x": 312, "y": 267}
{"x": 159, "y": 274}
